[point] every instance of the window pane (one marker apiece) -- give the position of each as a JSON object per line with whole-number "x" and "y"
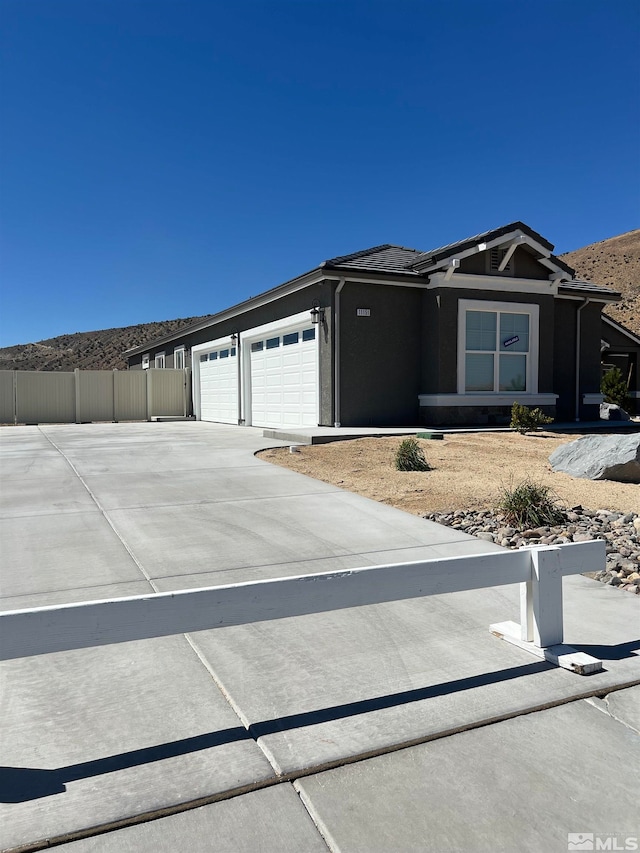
{"x": 481, "y": 330}
{"x": 224, "y": 353}
{"x": 213, "y": 356}
{"x": 513, "y": 373}
{"x": 257, "y": 346}
{"x": 272, "y": 343}
{"x": 292, "y": 338}
{"x": 204, "y": 356}
{"x": 479, "y": 372}
{"x": 514, "y": 332}
{"x": 309, "y": 335}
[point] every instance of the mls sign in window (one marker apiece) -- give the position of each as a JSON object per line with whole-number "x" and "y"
{"x": 496, "y": 351}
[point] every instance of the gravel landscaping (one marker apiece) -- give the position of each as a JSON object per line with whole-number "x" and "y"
{"x": 621, "y": 532}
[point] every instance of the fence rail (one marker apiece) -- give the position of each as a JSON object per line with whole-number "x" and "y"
{"x": 81, "y": 396}
{"x": 24, "y": 633}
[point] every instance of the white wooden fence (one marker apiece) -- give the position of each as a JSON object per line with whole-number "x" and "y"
{"x": 82, "y": 396}
{"x": 24, "y": 633}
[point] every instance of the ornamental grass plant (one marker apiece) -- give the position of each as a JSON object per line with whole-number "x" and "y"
{"x": 530, "y": 505}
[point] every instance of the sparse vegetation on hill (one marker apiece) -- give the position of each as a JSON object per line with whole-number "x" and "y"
{"x": 87, "y": 350}
{"x": 614, "y": 263}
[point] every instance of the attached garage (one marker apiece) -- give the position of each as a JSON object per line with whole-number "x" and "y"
{"x": 269, "y": 380}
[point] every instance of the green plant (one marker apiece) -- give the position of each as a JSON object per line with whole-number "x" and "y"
{"x": 530, "y": 504}
{"x": 524, "y": 419}
{"x": 410, "y": 456}
{"x": 614, "y": 388}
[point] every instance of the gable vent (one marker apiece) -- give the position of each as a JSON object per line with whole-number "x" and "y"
{"x": 495, "y": 259}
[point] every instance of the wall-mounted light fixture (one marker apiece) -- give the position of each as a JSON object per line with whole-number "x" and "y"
{"x": 234, "y": 338}
{"x": 317, "y": 313}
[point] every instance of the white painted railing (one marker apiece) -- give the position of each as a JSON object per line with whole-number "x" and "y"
{"x": 24, "y": 633}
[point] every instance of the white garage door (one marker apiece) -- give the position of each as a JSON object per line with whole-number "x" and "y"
{"x": 219, "y": 385}
{"x": 284, "y": 379}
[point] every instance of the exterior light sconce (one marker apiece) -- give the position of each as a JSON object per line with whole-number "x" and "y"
{"x": 234, "y": 338}
{"x": 317, "y": 313}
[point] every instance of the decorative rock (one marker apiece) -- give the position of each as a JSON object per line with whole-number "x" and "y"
{"x": 600, "y": 457}
{"x": 611, "y": 412}
{"x": 622, "y": 537}
{"x": 582, "y": 537}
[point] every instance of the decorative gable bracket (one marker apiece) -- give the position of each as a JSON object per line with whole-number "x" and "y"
{"x": 508, "y": 243}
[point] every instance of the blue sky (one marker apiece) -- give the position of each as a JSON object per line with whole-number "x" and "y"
{"x": 169, "y": 158}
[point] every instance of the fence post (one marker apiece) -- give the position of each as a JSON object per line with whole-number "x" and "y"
{"x": 149, "y": 394}
{"x": 541, "y": 612}
{"x": 76, "y": 383}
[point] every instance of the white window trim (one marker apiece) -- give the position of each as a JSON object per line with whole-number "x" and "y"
{"x": 470, "y": 400}
{"x": 181, "y": 349}
{"x": 592, "y": 399}
{"x": 159, "y": 357}
{"x": 145, "y": 361}
{"x": 532, "y": 310}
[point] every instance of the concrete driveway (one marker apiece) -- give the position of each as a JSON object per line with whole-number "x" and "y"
{"x": 403, "y": 726}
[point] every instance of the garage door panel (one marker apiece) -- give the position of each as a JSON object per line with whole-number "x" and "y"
{"x": 219, "y": 387}
{"x": 284, "y": 383}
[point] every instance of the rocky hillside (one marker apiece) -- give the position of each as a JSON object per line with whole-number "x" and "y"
{"x": 87, "y": 350}
{"x": 614, "y": 263}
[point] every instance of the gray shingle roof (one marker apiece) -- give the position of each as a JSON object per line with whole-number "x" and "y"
{"x": 588, "y": 288}
{"x": 386, "y": 258}
{"x": 399, "y": 259}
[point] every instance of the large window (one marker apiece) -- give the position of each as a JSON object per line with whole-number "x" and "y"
{"x": 498, "y": 351}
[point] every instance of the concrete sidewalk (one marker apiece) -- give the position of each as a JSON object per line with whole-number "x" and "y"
{"x": 404, "y": 726}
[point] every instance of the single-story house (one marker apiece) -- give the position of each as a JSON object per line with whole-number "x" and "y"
{"x": 396, "y": 336}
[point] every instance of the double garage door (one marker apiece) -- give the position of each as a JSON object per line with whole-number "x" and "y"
{"x": 274, "y": 385}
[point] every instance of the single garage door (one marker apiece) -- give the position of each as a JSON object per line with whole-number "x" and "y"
{"x": 219, "y": 385}
{"x": 284, "y": 379}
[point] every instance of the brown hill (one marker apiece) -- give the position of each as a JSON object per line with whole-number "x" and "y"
{"x": 614, "y": 263}
{"x": 87, "y": 350}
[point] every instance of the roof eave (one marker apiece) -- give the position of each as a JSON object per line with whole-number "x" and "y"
{"x": 305, "y": 280}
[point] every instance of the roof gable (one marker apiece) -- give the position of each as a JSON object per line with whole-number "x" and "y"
{"x": 405, "y": 261}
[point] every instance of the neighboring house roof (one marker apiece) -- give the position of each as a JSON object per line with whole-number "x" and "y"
{"x": 397, "y": 261}
{"x": 609, "y": 321}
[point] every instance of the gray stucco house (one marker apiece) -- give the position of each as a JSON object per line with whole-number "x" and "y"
{"x": 397, "y": 336}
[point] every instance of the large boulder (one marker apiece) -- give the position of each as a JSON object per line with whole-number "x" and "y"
{"x": 600, "y": 457}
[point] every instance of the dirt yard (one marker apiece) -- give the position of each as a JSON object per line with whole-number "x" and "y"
{"x": 468, "y": 472}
